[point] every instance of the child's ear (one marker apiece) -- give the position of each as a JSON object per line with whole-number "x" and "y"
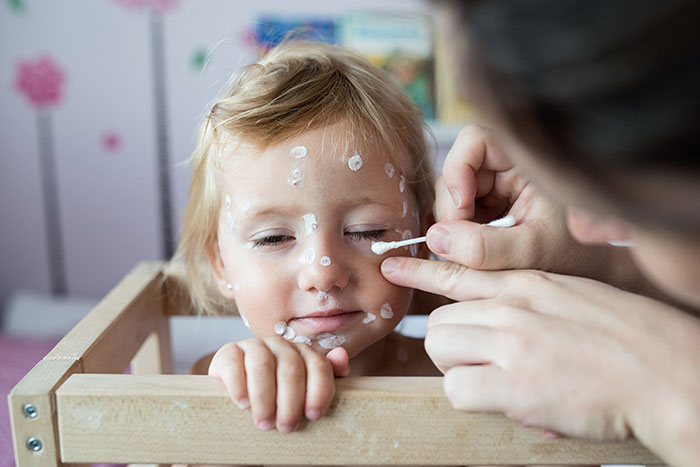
{"x": 589, "y": 228}
{"x": 218, "y": 269}
{"x": 427, "y": 219}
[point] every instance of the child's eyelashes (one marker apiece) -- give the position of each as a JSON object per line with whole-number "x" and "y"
{"x": 271, "y": 240}
{"x": 278, "y": 240}
{"x": 367, "y": 234}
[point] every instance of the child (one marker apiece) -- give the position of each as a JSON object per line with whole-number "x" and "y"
{"x": 312, "y": 155}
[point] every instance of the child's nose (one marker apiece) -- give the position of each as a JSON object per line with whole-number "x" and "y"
{"x": 323, "y": 272}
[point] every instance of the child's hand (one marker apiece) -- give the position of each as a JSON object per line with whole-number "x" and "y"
{"x": 280, "y": 381}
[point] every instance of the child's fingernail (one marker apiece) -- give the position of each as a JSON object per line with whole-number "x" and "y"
{"x": 390, "y": 265}
{"x": 265, "y": 424}
{"x": 456, "y": 198}
{"x": 243, "y": 403}
{"x": 313, "y": 414}
{"x": 287, "y": 428}
{"x": 439, "y": 241}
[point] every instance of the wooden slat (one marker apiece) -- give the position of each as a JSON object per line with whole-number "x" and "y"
{"x": 399, "y": 420}
{"x": 110, "y": 335}
{"x": 37, "y": 388}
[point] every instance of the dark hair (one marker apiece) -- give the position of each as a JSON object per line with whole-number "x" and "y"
{"x": 607, "y": 88}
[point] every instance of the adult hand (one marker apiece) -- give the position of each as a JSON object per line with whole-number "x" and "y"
{"x": 567, "y": 354}
{"x": 480, "y": 183}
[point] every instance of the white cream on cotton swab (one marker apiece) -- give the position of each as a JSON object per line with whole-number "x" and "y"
{"x": 379, "y": 248}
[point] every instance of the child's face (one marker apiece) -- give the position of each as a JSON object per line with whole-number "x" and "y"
{"x": 297, "y": 221}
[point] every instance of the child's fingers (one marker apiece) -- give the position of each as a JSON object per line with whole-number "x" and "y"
{"x": 261, "y": 366}
{"x": 320, "y": 385}
{"x": 291, "y": 384}
{"x": 227, "y": 365}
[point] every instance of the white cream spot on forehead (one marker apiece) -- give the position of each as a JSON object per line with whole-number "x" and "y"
{"x": 308, "y": 256}
{"x": 369, "y": 318}
{"x": 389, "y": 170}
{"x": 310, "y": 223}
{"x": 298, "y": 152}
{"x": 386, "y": 312}
{"x": 402, "y": 184}
{"x": 295, "y": 177}
{"x": 355, "y": 162}
{"x": 325, "y": 261}
{"x": 330, "y": 341}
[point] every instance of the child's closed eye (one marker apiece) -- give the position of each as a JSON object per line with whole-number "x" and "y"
{"x": 271, "y": 240}
{"x": 367, "y": 234}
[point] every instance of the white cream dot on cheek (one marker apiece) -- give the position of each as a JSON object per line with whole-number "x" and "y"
{"x": 404, "y": 208}
{"x": 227, "y": 200}
{"x": 280, "y": 328}
{"x": 405, "y": 235}
{"x": 310, "y": 223}
{"x": 355, "y": 162}
{"x": 308, "y": 256}
{"x": 245, "y": 321}
{"x": 229, "y": 220}
{"x": 389, "y": 170}
{"x": 298, "y": 152}
{"x": 386, "y": 312}
{"x": 330, "y": 341}
{"x": 369, "y": 318}
{"x": 325, "y": 261}
{"x": 402, "y": 184}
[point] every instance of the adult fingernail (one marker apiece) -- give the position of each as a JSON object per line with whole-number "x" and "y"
{"x": 456, "y": 198}
{"x": 265, "y": 424}
{"x": 243, "y": 403}
{"x": 390, "y": 265}
{"x": 439, "y": 241}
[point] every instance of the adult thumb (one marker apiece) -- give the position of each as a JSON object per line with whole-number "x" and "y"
{"x": 340, "y": 361}
{"x": 480, "y": 246}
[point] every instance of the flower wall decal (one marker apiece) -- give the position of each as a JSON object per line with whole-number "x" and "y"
{"x": 40, "y": 81}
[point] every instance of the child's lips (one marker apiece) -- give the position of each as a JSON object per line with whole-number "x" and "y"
{"x": 327, "y": 321}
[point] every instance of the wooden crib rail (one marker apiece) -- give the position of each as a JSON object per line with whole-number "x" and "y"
{"x": 85, "y": 413}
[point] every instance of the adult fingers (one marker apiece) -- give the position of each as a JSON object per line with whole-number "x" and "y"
{"x": 477, "y": 388}
{"x": 475, "y": 149}
{"x": 320, "y": 385}
{"x": 443, "y": 277}
{"x": 291, "y": 383}
{"x": 260, "y": 366}
{"x": 481, "y": 246}
{"x": 227, "y": 366}
{"x": 450, "y": 345}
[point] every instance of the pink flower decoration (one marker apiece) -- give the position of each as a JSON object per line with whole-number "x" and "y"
{"x": 40, "y": 81}
{"x": 111, "y": 141}
{"x": 159, "y": 6}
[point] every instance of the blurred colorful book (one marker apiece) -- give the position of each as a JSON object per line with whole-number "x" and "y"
{"x": 271, "y": 30}
{"x": 402, "y": 44}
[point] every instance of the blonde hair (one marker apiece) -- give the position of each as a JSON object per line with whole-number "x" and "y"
{"x": 297, "y": 87}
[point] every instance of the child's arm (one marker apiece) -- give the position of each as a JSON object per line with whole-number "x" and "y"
{"x": 280, "y": 381}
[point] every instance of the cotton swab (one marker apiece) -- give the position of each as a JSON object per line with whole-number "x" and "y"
{"x": 379, "y": 248}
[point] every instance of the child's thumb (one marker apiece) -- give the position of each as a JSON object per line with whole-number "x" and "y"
{"x": 340, "y": 361}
